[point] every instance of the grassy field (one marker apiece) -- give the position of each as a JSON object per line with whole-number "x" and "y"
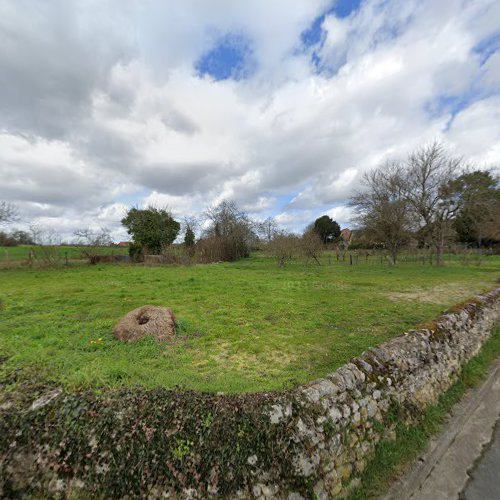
{"x": 244, "y": 326}
{"x": 21, "y": 252}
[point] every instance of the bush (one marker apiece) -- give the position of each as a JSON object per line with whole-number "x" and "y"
{"x": 283, "y": 248}
{"x": 136, "y": 252}
{"x": 229, "y": 235}
{"x": 177, "y": 254}
{"x": 189, "y": 237}
{"x": 311, "y": 246}
{"x": 228, "y": 248}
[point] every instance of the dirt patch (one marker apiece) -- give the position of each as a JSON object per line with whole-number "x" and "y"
{"x": 153, "y": 321}
{"x": 440, "y": 294}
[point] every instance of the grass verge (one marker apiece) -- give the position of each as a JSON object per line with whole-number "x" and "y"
{"x": 392, "y": 457}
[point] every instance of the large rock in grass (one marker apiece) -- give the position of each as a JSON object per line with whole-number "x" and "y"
{"x": 154, "y": 321}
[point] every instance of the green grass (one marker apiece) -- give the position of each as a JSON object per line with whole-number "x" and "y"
{"x": 245, "y": 326}
{"x": 391, "y": 457}
{"x": 21, "y": 252}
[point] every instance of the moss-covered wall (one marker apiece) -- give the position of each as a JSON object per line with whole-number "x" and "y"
{"x": 308, "y": 442}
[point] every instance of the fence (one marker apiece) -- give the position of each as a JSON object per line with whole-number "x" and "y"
{"x": 462, "y": 255}
{"x": 58, "y": 255}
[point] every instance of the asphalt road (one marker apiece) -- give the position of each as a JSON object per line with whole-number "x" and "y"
{"x": 463, "y": 462}
{"x": 485, "y": 477}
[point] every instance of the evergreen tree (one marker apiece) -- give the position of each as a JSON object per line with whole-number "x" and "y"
{"x": 151, "y": 227}
{"x": 326, "y": 228}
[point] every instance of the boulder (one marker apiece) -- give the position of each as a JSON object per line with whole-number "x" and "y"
{"x": 154, "y": 321}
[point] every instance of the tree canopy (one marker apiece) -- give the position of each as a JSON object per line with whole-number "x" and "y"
{"x": 326, "y": 228}
{"x": 189, "y": 237}
{"x": 479, "y": 194}
{"x": 151, "y": 227}
{"x": 382, "y": 210}
{"x": 230, "y": 230}
{"x": 409, "y": 196}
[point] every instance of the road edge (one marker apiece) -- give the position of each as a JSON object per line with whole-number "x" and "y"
{"x": 442, "y": 469}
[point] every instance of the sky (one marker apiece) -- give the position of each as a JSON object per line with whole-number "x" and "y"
{"x": 279, "y": 105}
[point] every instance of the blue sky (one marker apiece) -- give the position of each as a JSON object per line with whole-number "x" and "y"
{"x": 488, "y": 46}
{"x": 231, "y": 55}
{"x": 313, "y": 34}
{"x": 280, "y": 106}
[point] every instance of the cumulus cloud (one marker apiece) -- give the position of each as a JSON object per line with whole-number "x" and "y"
{"x": 479, "y": 123}
{"x": 53, "y": 55}
{"x": 103, "y": 105}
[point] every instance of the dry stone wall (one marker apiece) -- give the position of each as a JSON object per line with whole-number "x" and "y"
{"x": 352, "y": 404}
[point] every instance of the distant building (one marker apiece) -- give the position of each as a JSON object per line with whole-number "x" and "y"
{"x": 124, "y": 243}
{"x": 346, "y": 235}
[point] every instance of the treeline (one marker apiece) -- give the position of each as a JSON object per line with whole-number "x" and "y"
{"x": 223, "y": 232}
{"x": 428, "y": 200}
{"x": 227, "y": 233}
{"x": 15, "y": 238}
{"x": 8, "y": 215}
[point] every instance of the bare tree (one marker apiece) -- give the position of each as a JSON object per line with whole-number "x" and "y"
{"x": 283, "y": 247}
{"x": 47, "y": 251}
{"x": 42, "y": 235}
{"x": 267, "y": 229}
{"x": 50, "y": 237}
{"x": 311, "y": 246}
{"x": 491, "y": 226}
{"x": 92, "y": 241}
{"x": 8, "y": 213}
{"x": 190, "y": 222}
{"x": 427, "y": 184}
{"x": 230, "y": 231}
{"x": 91, "y": 237}
{"x": 224, "y": 217}
{"x": 382, "y": 209}
{"x": 36, "y": 233}
{"x": 189, "y": 226}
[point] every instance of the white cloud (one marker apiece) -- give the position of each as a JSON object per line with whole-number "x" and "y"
{"x": 180, "y": 206}
{"x": 342, "y": 214}
{"x": 478, "y": 124}
{"x": 492, "y": 72}
{"x": 117, "y": 114}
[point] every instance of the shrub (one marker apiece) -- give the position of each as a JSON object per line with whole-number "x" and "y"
{"x": 283, "y": 248}
{"x": 229, "y": 235}
{"x": 189, "y": 237}
{"x": 311, "y": 246}
{"x": 136, "y": 252}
